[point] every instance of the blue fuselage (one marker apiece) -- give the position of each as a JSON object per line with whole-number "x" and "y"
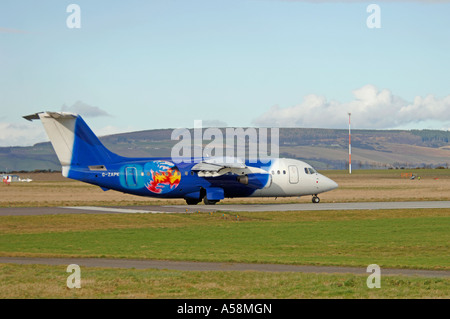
{"x": 160, "y": 177}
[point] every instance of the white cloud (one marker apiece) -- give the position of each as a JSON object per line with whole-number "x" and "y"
{"x": 13, "y": 31}
{"x": 30, "y": 134}
{"x": 370, "y": 108}
{"x": 21, "y": 134}
{"x": 85, "y": 110}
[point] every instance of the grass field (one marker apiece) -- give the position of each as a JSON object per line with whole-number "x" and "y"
{"x": 397, "y": 238}
{"x": 402, "y": 239}
{"x": 417, "y": 239}
{"x": 39, "y": 281}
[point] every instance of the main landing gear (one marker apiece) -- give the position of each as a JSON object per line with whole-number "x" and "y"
{"x": 191, "y": 201}
{"x": 210, "y": 202}
{"x": 315, "y": 199}
{"x": 202, "y": 196}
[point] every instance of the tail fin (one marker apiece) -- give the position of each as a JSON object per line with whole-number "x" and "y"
{"x": 74, "y": 142}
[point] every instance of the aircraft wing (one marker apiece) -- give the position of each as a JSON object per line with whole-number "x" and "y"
{"x": 216, "y": 167}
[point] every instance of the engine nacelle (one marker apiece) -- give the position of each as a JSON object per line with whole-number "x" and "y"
{"x": 257, "y": 181}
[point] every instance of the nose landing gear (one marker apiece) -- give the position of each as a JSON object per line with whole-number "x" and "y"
{"x": 315, "y": 199}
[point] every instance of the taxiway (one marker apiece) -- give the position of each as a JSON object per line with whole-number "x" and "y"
{"x": 213, "y": 266}
{"x": 7, "y": 211}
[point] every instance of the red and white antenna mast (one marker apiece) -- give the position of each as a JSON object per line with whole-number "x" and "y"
{"x": 349, "y": 145}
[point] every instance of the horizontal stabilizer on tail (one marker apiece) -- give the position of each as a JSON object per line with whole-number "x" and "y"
{"x": 55, "y": 115}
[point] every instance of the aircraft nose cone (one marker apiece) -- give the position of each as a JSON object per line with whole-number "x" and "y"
{"x": 326, "y": 184}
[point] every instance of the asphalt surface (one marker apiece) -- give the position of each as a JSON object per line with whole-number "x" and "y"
{"x": 210, "y": 266}
{"x": 5, "y": 211}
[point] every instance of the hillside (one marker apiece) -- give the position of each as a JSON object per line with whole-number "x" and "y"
{"x": 323, "y": 148}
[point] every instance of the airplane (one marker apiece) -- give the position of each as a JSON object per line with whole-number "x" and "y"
{"x": 8, "y": 179}
{"x": 83, "y": 157}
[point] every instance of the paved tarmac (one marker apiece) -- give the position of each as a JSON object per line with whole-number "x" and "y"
{"x": 5, "y": 211}
{"x": 210, "y": 266}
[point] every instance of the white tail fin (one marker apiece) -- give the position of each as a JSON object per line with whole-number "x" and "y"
{"x": 74, "y": 142}
{"x": 60, "y": 128}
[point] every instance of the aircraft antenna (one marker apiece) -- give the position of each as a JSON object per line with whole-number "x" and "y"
{"x": 349, "y": 144}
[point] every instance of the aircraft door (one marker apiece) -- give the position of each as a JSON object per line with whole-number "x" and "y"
{"x": 131, "y": 176}
{"x": 293, "y": 174}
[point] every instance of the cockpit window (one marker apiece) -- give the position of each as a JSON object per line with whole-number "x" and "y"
{"x": 310, "y": 170}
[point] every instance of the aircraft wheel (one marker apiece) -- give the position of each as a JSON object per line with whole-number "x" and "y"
{"x": 315, "y": 199}
{"x": 191, "y": 201}
{"x": 209, "y": 202}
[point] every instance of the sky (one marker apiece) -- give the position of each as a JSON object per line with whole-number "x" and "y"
{"x": 138, "y": 65}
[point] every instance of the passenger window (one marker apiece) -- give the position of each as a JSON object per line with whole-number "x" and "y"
{"x": 284, "y": 172}
{"x": 273, "y": 172}
{"x": 278, "y": 172}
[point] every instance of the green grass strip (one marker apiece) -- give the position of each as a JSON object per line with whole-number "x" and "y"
{"x": 418, "y": 241}
{"x": 39, "y": 281}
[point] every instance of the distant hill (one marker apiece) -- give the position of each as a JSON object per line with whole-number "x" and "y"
{"x": 323, "y": 148}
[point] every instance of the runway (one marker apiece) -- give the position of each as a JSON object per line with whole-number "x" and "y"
{"x": 211, "y": 266}
{"x": 9, "y": 211}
